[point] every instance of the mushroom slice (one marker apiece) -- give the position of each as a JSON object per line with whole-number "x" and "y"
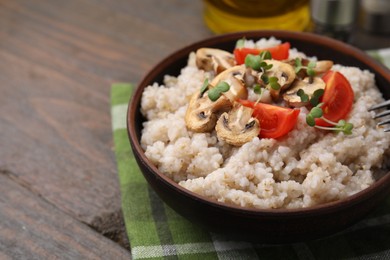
{"x": 236, "y": 71}
{"x": 291, "y": 97}
{"x": 285, "y": 74}
{"x": 216, "y": 60}
{"x": 238, "y": 126}
{"x": 234, "y": 77}
{"x": 202, "y": 113}
{"x": 323, "y": 66}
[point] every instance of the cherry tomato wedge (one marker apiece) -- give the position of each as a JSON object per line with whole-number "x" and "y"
{"x": 337, "y": 99}
{"x": 274, "y": 121}
{"x": 279, "y": 52}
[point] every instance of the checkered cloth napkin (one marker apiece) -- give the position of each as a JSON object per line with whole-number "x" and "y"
{"x": 156, "y": 231}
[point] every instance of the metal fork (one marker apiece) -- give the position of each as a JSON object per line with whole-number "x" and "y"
{"x": 382, "y": 114}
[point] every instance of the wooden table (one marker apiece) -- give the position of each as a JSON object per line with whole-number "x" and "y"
{"x": 59, "y": 192}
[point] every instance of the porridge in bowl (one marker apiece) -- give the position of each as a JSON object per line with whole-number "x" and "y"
{"x": 246, "y": 129}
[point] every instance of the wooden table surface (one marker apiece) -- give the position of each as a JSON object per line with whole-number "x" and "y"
{"x": 59, "y": 192}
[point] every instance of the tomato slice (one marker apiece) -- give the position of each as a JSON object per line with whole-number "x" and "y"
{"x": 337, "y": 99}
{"x": 279, "y": 52}
{"x": 274, "y": 121}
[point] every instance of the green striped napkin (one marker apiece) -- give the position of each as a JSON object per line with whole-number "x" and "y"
{"x": 156, "y": 231}
{"x": 382, "y": 55}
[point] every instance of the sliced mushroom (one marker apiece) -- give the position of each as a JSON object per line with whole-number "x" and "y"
{"x": 236, "y": 71}
{"x": 291, "y": 97}
{"x": 216, "y": 60}
{"x": 234, "y": 77}
{"x": 323, "y": 66}
{"x": 285, "y": 74}
{"x": 238, "y": 126}
{"x": 202, "y": 113}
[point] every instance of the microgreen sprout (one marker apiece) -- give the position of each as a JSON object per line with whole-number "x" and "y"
{"x": 309, "y": 68}
{"x": 257, "y": 89}
{"x": 204, "y": 87}
{"x": 216, "y": 92}
{"x": 315, "y": 112}
{"x": 340, "y": 126}
{"x": 257, "y": 62}
{"x": 345, "y": 127}
{"x": 253, "y": 61}
{"x": 273, "y": 82}
{"x": 265, "y": 55}
{"x": 304, "y": 97}
{"x": 298, "y": 65}
{"x": 315, "y": 98}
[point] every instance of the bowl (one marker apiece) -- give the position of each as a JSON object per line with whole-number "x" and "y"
{"x": 265, "y": 225}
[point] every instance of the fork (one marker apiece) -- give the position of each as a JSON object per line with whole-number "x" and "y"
{"x": 382, "y": 114}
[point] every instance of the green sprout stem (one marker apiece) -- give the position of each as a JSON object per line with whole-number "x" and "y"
{"x": 329, "y": 121}
{"x": 216, "y": 92}
{"x": 314, "y": 99}
{"x": 260, "y": 92}
{"x": 258, "y": 63}
{"x": 309, "y": 68}
{"x": 340, "y": 126}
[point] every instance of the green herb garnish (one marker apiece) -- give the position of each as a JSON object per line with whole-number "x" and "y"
{"x": 204, "y": 87}
{"x": 304, "y": 97}
{"x": 216, "y": 92}
{"x": 257, "y": 62}
{"x": 265, "y": 55}
{"x": 253, "y": 61}
{"x": 340, "y": 126}
{"x": 309, "y": 68}
{"x": 257, "y": 89}
{"x": 298, "y": 65}
{"x": 273, "y": 82}
{"x": 314, "y": 100}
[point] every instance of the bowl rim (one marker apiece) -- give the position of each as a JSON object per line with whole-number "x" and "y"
{"x": 134, "y": 104}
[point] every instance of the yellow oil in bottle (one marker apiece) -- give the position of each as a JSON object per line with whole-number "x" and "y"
{"x": 223, "y": 16}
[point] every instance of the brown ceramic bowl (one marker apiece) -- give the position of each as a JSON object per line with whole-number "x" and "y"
{"x": 266, "y": 225}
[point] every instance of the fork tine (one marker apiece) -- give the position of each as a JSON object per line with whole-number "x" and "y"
{"x": 386, "y": 130}
{"x": 380, "y": 105}
{"x": 384, "y": 122}
{"x": 382, "y": 114}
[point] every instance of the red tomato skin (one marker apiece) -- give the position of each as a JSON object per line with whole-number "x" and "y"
{"x": 275, "y": 121}
{"x": 337, "y": 99}
{"x": 279, "y": 52}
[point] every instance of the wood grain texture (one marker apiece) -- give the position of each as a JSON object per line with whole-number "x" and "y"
{"x": 57, "y": 61}
{"x": 31, "y": 228}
